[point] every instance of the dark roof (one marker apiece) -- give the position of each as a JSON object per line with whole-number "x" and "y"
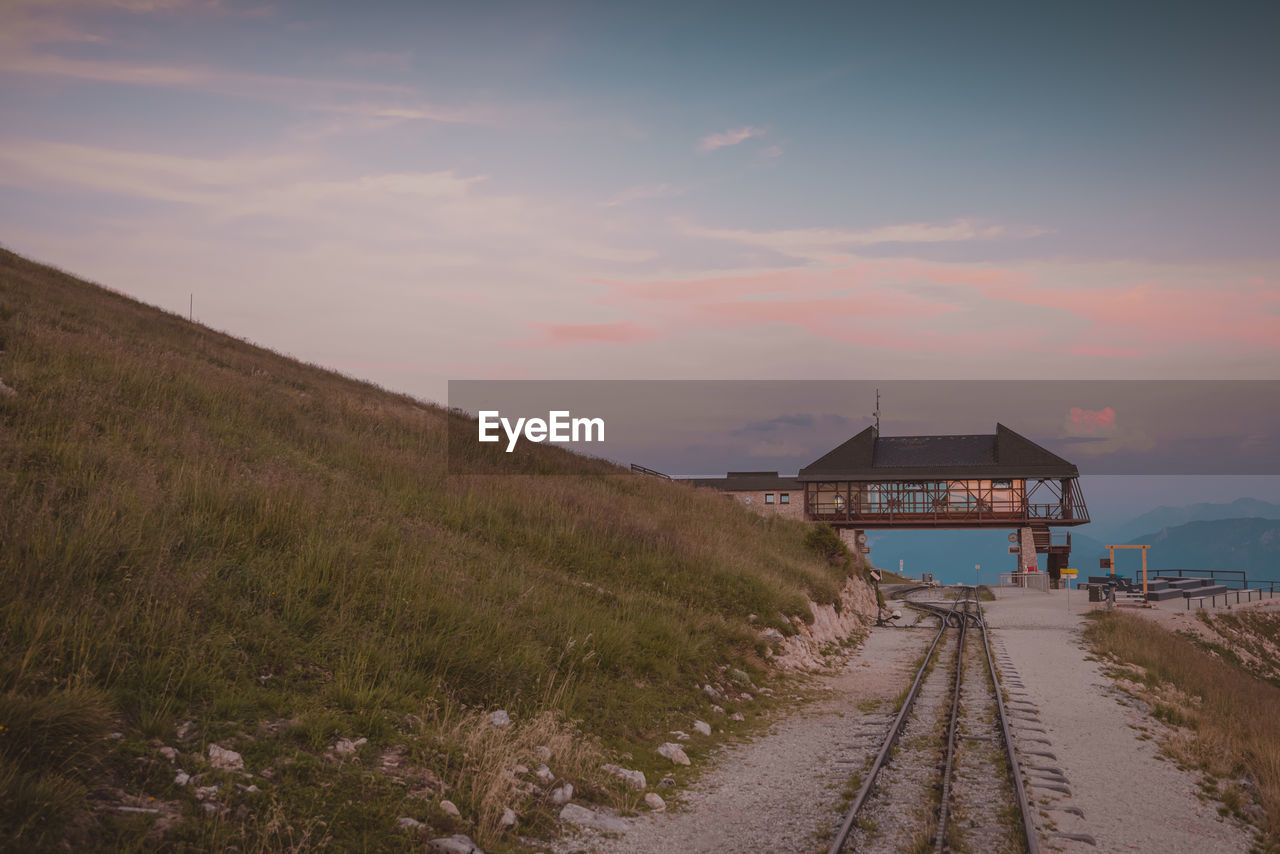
{"x": 749, "y": 481}
{"x": 869, "y": 456}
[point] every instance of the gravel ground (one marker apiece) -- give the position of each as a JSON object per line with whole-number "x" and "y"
{"x": 1132, "y": 800}
{"x": 781, "y": 793}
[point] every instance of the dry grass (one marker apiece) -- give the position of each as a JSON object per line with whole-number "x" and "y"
{"x": 197, "y": 529}
{"x": 1224, "y": 719}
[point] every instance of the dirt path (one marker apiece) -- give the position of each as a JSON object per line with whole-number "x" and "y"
{"x": 1132, "y": 799}
{"x": 782, "y": 792}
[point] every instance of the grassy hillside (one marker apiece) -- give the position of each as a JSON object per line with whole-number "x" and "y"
{"x": 206, "y": 542}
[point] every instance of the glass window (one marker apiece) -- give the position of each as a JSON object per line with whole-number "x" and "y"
{"x": 768, "y": 498}
{"x": 784, "y": 498}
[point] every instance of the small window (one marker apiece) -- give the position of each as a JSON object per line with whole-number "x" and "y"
{"x": 768, "y": 498}
{"x": 1001, "y": 484}
{"x": 784, "y": 498}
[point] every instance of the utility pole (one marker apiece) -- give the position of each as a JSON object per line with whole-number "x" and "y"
{"x": 877, "y": 412}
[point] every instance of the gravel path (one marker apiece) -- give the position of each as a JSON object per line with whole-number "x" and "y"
{"x": 1132, "y": 800}
{"x": 782, "y": 792}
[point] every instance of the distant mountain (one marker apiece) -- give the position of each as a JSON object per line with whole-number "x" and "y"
{"x": 1167, "y": 517}
{"x": 1252, "y": 545}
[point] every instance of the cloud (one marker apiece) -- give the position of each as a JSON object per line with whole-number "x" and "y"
{"x": 1088, "y": 422}
{"x": 818, "y": 244}
{"x": 562, "y": 334}
{"x": 730, "y": 137}
{"x": 643, "y": 192}
{"x": 771, "y": 151}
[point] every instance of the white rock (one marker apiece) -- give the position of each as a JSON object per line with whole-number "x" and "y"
{"x": 655, "y": 802}
{"x": 736, "y": 716}
{"x": 680, "y": 734}
{"x": 346, "y": 747}
{"x": 711, "y": 692}
{"x": 702, "y": 727}
{"x": 719, "y": 710}
{"x": 634, "y": 779}
{"x": 225, "y": 760}
{"x": 408, "y": 823}
{"x": 448, "y": 808}
{"x": 562, "y": 794}
{"x": 520, "y": 770}
{"x": 508, "y": 819}
{"x": 747, "y": 698}
{"x": 772, "y": 635}
{"x": 206, "y": 793}
{"x": 544, "y": 774}
{"x": 169, "y": 753}
{"x": 543, "y": 753}
{"x": 6, "y": 391}
{"x": 584, "y": 817}
{"x": 456, "y": 844}
{"x": 182, "y": 778}
{"x": 500, "y": 718}
{"x": 674, "y": 752}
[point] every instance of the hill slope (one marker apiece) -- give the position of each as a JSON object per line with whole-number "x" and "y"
{"x": 208, "y": 543}
{"x": 1168, "y": 517}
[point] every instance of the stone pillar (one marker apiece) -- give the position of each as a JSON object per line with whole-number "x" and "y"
{"x": 1027, "y": 551}
{"x": 849, "y": 536}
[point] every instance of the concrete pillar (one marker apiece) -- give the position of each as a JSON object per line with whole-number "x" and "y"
{"x": 1027, "y": 551}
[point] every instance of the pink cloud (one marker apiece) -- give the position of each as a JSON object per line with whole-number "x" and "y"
{"x": 1089, "y": 422}
{"x": 566, "y": 334}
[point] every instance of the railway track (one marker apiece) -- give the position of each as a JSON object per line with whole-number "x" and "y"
{"x": 945, "y": 776}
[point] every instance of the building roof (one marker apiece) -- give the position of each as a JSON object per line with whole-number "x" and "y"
{"x": 868, "y": 456}
{"x": 749, "y": 481}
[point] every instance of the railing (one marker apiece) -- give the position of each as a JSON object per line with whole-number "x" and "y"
{"x": 1026, "y": 580}
{"x": 1267, "y": 592}
{"x": 639, "y": 469}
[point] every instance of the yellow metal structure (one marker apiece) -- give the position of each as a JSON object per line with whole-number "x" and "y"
{"x": 1111, "y": 551}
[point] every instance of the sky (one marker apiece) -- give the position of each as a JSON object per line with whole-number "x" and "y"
{"x": 416, "y": 192}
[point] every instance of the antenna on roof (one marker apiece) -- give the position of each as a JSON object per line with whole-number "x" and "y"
{"x": 877, "y": 412}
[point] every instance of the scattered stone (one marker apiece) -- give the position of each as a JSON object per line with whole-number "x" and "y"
{"x": 751, "y": 618}
{"x": 211, "y": 806}
{"x": 185, "y": 729}
{"x": 736, "y": 716}
{"x": 544, "y": 774}
{"x": 739, "y": 676}
{"x": 116, "y": 736}
{"x": 711, "y": 692}
{"x": 674, "y": 752}
{"x": 406, "y": 823}
{"x": 206, "y": 793}
{"x": 719, "y": 710}
{"x": 169, "y": 753}
{"x": 772, "y": 635}
{"x": 182, "y": 778}
{"x": 520, "y": 770}
{"x": 448, "y": 808}
{"x": 667, "y": 783}
{"x": 225, "y": 760}
{"x": 702, "y": 727}
{"x": 655, "y": 802}
{"x": 456, "y": 844}
{"x": 7, "y": 391}
{"x": 347, "y": 747}
{"x": 562, "y": 794}
{"x": 583, "y": 817}
{"x": 500, "y": 718}
{"x": 249, "y": 789}
{"x": 508, "y": 819}
{"x": 747, "y": 698}
{"x": 634, "y": 779}
{"x": 680, "y": 734}
{"x": 543, "y": 753}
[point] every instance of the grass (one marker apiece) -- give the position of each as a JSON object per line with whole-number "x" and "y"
{"x": 1223, "y": 718}
{"x": 205, "y": 541}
